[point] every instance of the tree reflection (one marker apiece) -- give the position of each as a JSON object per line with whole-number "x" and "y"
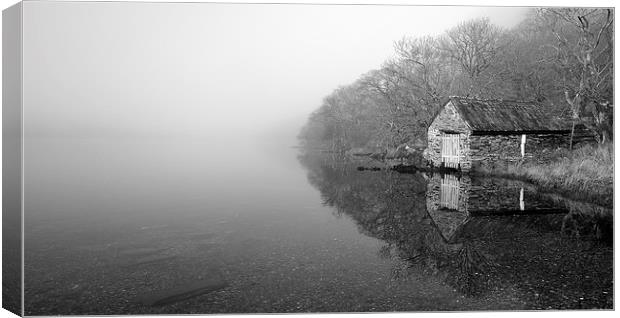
{"x": 478, "y": 237}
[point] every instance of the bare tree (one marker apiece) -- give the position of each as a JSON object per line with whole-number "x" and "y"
{"x": 584, "y": 55}
{"x": 562, "y": 58}
{"x": 473, "y": 45}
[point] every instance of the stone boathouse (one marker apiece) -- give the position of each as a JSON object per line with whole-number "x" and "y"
{"x": 468, "y": 133}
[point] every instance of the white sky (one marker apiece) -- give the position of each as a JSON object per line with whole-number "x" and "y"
{"x": 217, "y": 69}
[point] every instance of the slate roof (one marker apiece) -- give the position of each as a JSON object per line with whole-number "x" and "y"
{"x": 507, "y": 116}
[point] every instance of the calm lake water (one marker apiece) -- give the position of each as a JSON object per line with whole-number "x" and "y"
{"x": 171, "y": 226}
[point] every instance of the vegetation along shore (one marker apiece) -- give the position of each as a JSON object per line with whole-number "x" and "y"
{"x": 585, "y": 174}
{"x": 558, "y": 58}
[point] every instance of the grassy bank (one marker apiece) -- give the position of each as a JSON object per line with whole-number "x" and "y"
{"x": 584, "y": 174}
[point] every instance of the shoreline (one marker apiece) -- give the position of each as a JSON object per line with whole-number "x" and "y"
{"x": 584, "y": 174}
{"x": 598, "y": 195}
{"x": 582, "y": 190}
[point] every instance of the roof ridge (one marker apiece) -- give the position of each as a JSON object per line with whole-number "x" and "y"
{"x": 493, "y": 99}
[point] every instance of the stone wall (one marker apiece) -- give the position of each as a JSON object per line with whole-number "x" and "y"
{"x": 542, "y": 147}
{"x": 447, "y": 120}
{"x": 497, "y": 150}
{"x": 488, "y": 150}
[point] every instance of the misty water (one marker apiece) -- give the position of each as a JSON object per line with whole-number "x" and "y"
{"x": 186, "y": 226}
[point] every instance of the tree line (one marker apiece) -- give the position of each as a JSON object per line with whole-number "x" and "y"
{"x": 561, "y": 58}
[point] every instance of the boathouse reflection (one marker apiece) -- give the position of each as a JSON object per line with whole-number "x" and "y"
{"x": 481, "y": 237}
{"x": 453, "y": 200}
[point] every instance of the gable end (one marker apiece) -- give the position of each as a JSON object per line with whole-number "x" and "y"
{"x": 449, "y": 120}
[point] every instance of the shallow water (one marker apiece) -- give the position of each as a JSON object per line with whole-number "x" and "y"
{"x": 206, "y": 229}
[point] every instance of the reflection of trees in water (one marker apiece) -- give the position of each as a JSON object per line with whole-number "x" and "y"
{"x": 392, "y": 207}
{"x": 487, "y": 253}
{"x": 588, "y": 221}
{"x": 471, "y": 266}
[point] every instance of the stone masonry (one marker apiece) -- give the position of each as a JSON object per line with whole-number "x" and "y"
{"x": 491, "y": 149}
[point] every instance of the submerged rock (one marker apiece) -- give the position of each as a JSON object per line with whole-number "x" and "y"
{"x": 190, "y": 290}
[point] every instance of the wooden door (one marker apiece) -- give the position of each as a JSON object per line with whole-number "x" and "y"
{"x": 450, "y": 150}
